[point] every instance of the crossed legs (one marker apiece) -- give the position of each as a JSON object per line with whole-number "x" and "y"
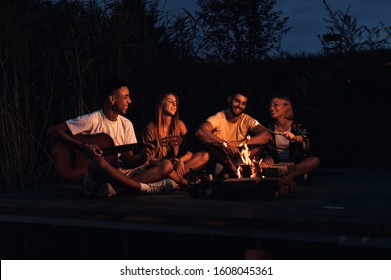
{"x": 305, "y": 166}
{"x": 196, "y": 162}
{"x": 101, "y": 170}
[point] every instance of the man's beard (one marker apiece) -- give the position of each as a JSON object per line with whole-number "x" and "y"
{"x": 116, "y": 109}
{"x": 231, "y": 109}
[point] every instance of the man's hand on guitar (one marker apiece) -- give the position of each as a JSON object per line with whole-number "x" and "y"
{"x": 149, "y": 152}
{"x": 92, "y": 150}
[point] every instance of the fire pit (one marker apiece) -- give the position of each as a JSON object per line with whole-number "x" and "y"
{"x": 252, "y": 181}
{"x": 247, "y": 168}
{"x": 244, "y": 171}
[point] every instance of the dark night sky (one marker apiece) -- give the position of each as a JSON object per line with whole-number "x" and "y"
{"x": 306, "y": 18}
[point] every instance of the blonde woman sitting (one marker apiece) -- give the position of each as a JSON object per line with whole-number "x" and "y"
{"x": 290, "y": 139}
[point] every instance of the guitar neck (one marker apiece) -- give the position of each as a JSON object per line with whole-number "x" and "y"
{"x": 118, "y": 149}
{"x": 167, "y": 141}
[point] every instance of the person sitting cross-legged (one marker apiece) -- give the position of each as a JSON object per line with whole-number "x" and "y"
{"x": 226, "y": 133}
{"x": 172, "y": 139}
{"x": 290, "y": 139}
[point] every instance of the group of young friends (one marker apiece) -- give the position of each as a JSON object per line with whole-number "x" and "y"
{"x": 169, "y": 151}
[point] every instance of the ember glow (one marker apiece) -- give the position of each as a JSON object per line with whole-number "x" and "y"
{"x": 239, "y": 171}
{"x": 260, "y": 167}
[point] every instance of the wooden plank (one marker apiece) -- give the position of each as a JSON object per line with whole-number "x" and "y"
{"x": 289, "y": 165}
{"x": 275, "y": 171}
{"x": 333, "y": 203}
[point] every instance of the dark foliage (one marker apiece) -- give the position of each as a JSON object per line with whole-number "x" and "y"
{"x": 241, "y": 31}
{"x": 345, "y": 34}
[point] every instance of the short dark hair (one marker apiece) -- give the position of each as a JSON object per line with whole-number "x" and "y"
{"x": 245, "y": 93}
{"x": 110, "y": 84}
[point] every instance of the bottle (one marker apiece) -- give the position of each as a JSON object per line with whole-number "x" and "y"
{"x": 204, "y": 176}
{"x": 192, "y": 176}
{"x": 194, "y": 190}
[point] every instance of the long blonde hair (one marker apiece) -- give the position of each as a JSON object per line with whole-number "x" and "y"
{"x": 174, "y": 126}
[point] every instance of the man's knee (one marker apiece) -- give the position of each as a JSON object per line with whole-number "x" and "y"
{"x": 204, "y": 156}
{"x": 98, "y": 164}
{"x": 315, "y": 162}
{"x": 98, "y": 169}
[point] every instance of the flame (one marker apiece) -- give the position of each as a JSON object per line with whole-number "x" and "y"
{"x": 245, "y": 156}
{"x": 239, "y": 172}
{"x": 255, "y": 167}
{"x": 260, "y": 165}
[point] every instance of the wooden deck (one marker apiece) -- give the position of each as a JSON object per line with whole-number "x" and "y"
{"x": 338, "y": 214}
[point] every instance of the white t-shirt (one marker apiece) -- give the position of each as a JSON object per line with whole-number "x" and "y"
{"x": 121, "y": 131}
{"x": 282, "y": 147}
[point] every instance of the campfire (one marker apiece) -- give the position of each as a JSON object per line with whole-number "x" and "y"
{"x": 248, "y": 168}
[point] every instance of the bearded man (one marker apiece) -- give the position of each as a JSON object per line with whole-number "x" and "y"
{"x": 226, "y": 133}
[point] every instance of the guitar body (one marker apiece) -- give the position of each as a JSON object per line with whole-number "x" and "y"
{"x": 71, "y": 163}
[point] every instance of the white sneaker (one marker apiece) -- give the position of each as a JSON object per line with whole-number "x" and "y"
{"x": 106, "y": 190}
{"x": 165, "y": 185}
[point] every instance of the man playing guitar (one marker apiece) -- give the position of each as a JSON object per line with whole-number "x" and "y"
{"x": 76, "y": 156}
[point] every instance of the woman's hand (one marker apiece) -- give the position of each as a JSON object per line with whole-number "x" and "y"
{"x": 290, "y": 136}
{"x": 179, "y": 166}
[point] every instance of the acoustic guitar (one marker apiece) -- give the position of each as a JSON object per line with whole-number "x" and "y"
{"x": 71, "y": 163}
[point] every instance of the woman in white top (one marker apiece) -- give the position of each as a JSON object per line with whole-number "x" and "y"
{"x": 290, "y": 138}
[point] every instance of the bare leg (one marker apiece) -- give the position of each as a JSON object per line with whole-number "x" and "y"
{"x": 101, "y": 170}
{"x": 221, "y": 157}
{"x": 174, "y": 176}
{"x": 197, "y": 161}
{"x": 307, "y": 165}
{"x": 155, "y": 172}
